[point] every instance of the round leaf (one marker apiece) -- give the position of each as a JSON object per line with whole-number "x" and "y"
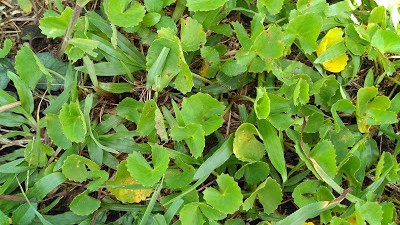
{"x": 84, "y": 205}
{"x": 245, "y": 145}
{"x": 228, "y": 198}
{"x": 204, "y": 110}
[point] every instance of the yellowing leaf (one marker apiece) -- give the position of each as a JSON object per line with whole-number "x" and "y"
{"x": 126, "y": 195}
{"x": 308, "y": 223}
{"x": 333, "y": 37}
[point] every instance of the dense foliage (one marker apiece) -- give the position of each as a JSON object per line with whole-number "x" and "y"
{"x": 202, "y": 112}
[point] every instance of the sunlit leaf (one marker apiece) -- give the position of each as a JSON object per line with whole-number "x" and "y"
{"x": 55, "y": 26}
{"x": 126, "y": 195}
{"x": 192, "y": 34}
{"x": 332, "y": 37}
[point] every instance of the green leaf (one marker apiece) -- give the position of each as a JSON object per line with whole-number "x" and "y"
{"x": 24, "y": 214}
{"x": 204, "y": 5}
{"x": 192, "y": 34}
{"x": 24, "y": 93}
{"x": 162, "y": 64}
{"x": 254, "y": 172}
{"x": 324, "y": 154}
{"x": 123, "y": 178}
{"x": 117, "y": 88}
{"x": 370, "y": 212}
{"x": 228, "y": 198}
{"x": 193, "y": 135}
{"x": 4, "y": 219}
{"x": 307, "y": 212}
{"x": 372, "y": 112}
{"x": 147, "y": 122}
{"x": 233, "y": 68}
{"x": 27, "y": 67}
{"x": 154, "y": 77}
{"x": 77, "y": 47}
{"x": 55, "y": 26}
{"x": 190, "y": 214}
{"x": 306, "y": 29}
{"x": 269, "y": 194}
{"x": 45, "y": 185}
{"x": 84, "y": 205}
{"x": 301, "y": 92}
{"x": 5, "y": 66}
{"x": 153, "y": 5}
{"x": 274, "y": 147}
{"x": 305, "y": 192}
{"x": 269, "y": 45}
{"x": 179, "y": 177}
{"x": 262, "y": 104}
{"x": 36, "y": 153}
{"x": 76, "y": 167}
{"x": 72, "y": 122}
{"x": 386, "y": 41}
{"x": 151, "y": 19}
{"x": 55, "y": 64}
{"x": 25, "y": 5}
{"x": 53, "y": 130}
{"x": 140, "y": 169}
{"x": 204, "y": 110}
{"x": 119, "y": 10}
{"x": 220, "y": 156}
{"x": 245, "y": 146}
{"x": 130, "y": 109}
{"x": 273, "y": 6}
{"x": 7, "y": 45}
{"x": 160, "y": 125}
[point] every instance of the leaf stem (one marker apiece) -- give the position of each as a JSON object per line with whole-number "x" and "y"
{"x": 68, "y": 32}
{"x": 205, "y": 80}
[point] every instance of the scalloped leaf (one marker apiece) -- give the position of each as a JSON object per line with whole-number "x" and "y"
{"x": 72, "y": 122}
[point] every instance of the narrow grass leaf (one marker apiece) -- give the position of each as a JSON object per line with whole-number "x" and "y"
{"x": 273, "y": 146}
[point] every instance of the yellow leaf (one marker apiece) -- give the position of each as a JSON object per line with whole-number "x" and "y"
{"x": 331, "y": 38}
{"x": 308, "y": 223}
{"x": 126, "y": 195}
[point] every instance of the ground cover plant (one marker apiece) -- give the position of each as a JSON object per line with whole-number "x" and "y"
{"x": 199, "y": 112}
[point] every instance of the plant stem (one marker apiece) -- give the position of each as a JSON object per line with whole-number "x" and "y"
{"x": 68, "y": 32}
